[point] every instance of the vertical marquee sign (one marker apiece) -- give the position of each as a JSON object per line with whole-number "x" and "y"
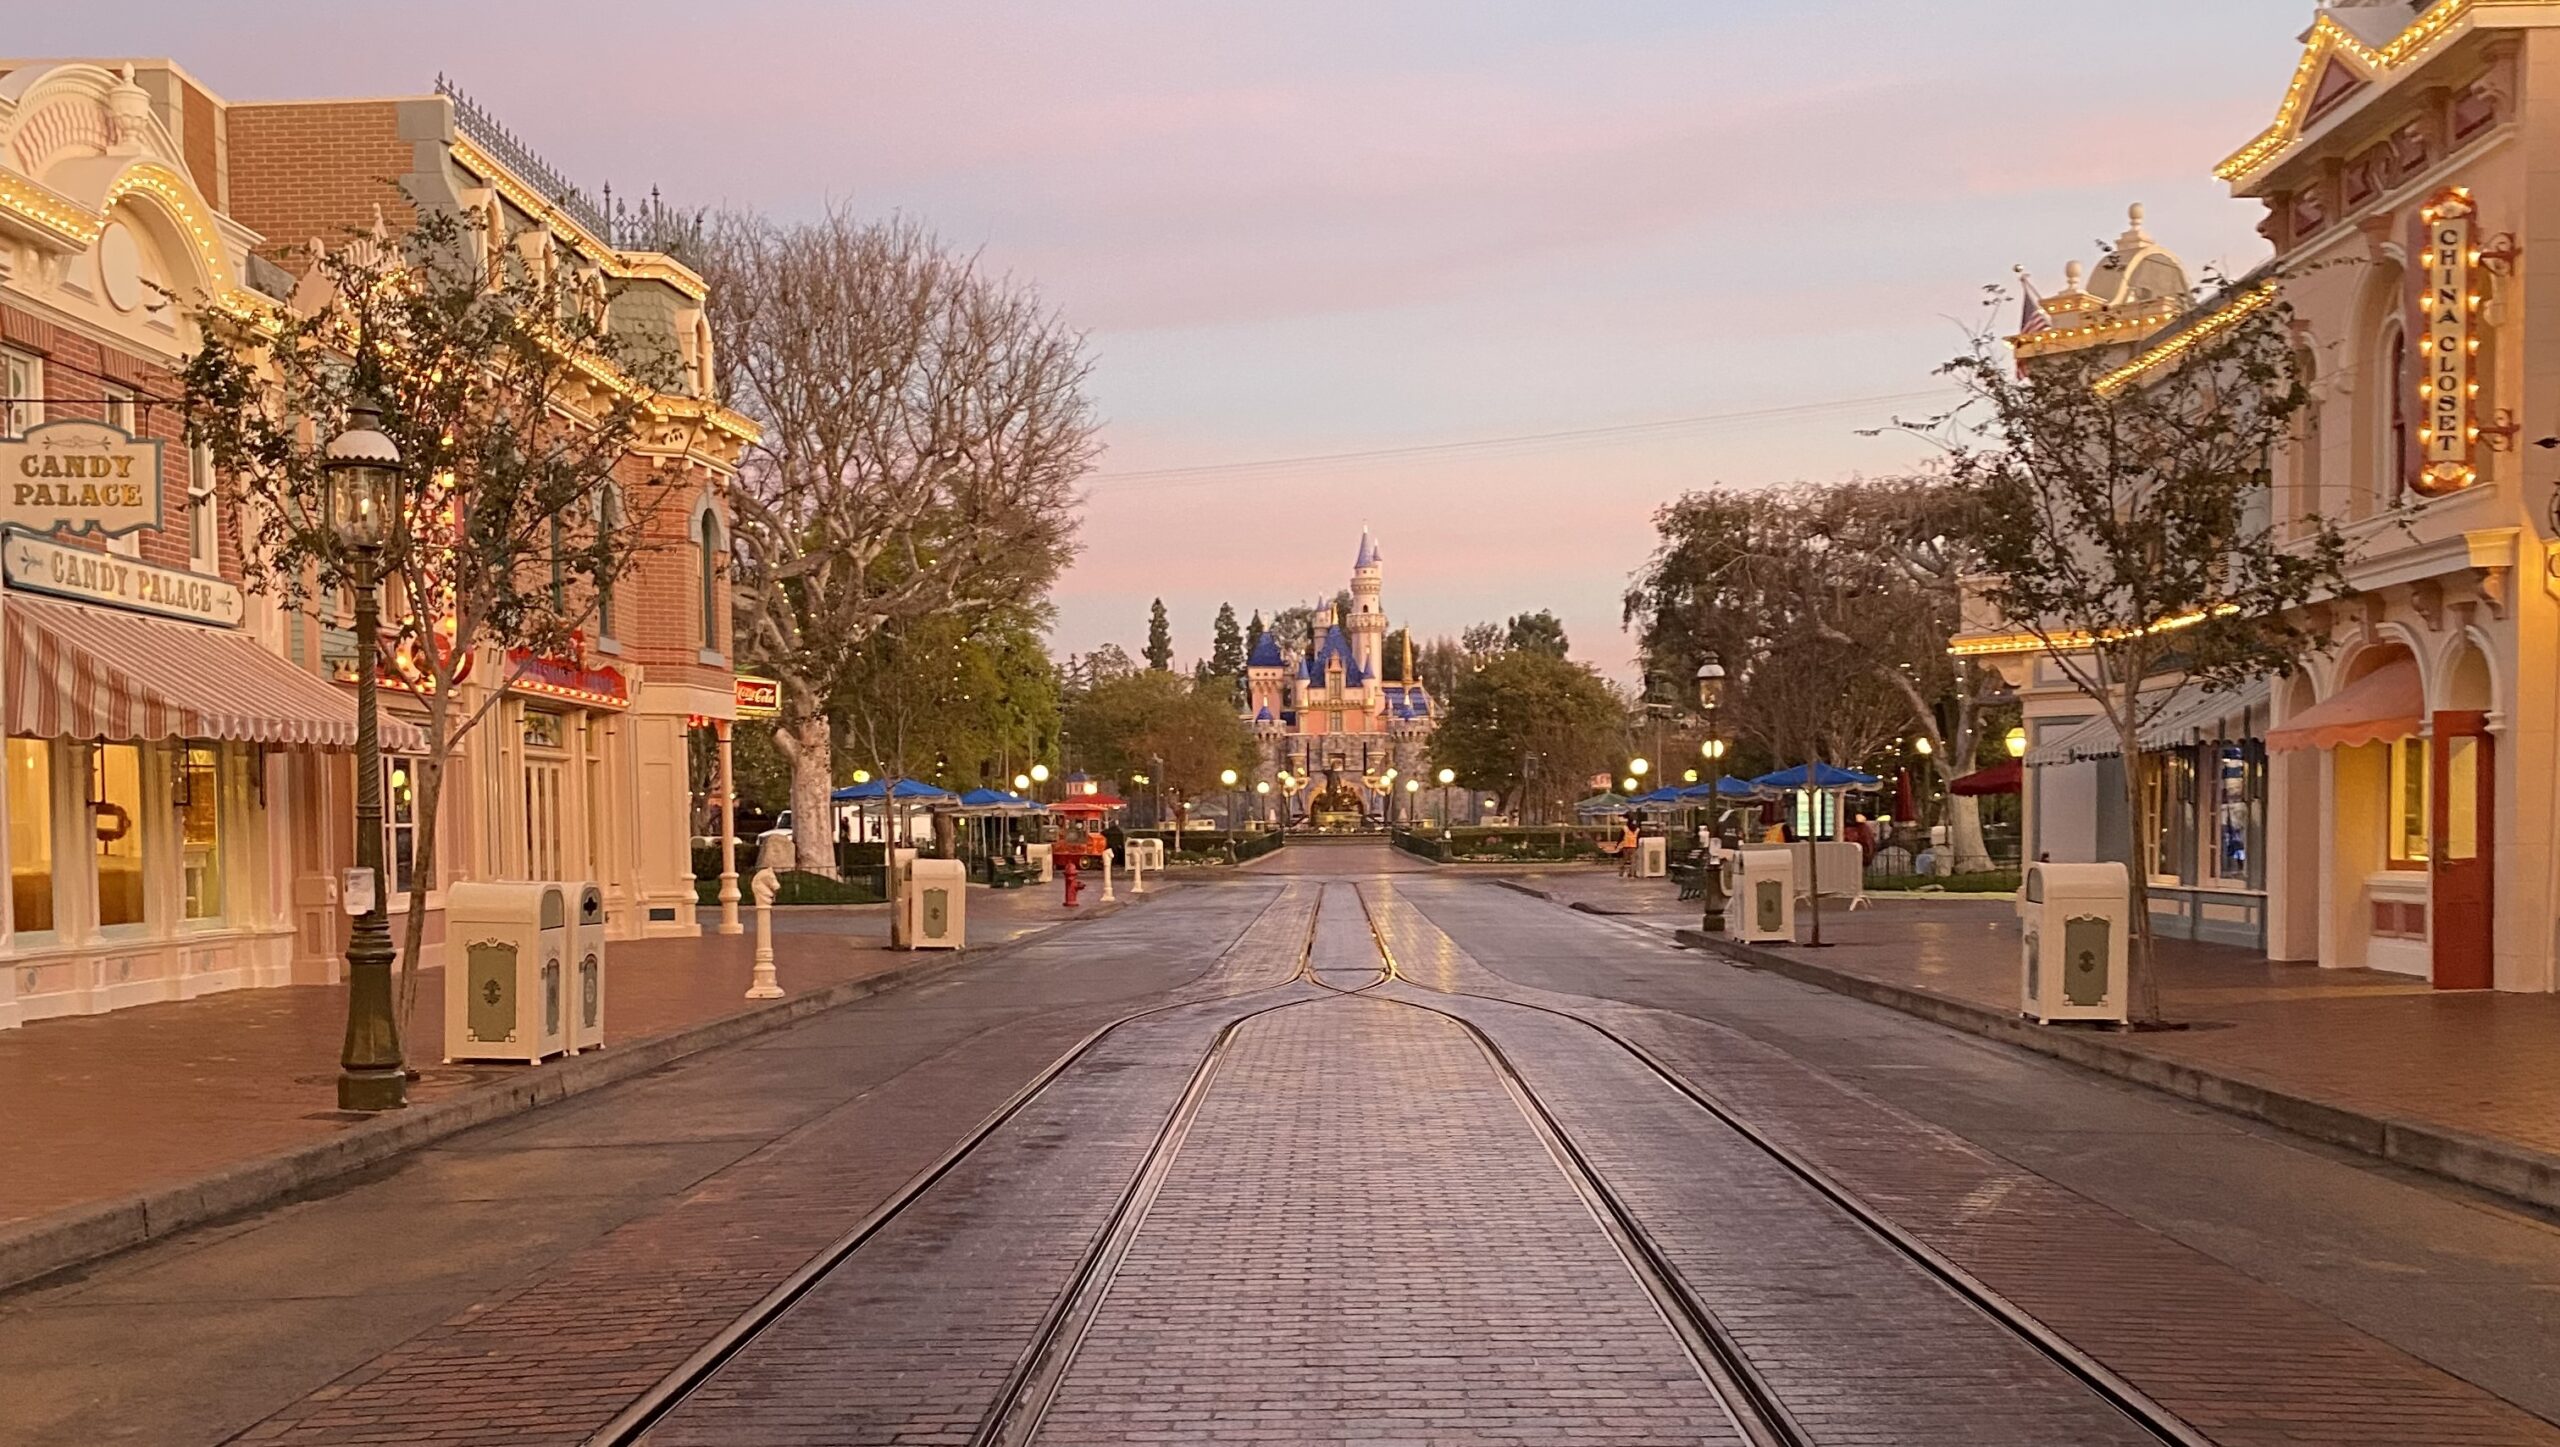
{"x": 2448, "y": 349}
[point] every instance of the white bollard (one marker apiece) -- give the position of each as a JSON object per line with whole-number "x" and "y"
{"x": 1107, "y": 895}
{"x": 765, "y": 986}
{"x": 1137, "y": 873}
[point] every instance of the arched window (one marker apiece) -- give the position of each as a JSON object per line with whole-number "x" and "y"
{"x": 2395, "y": 459}
{"x": 710, "y": 579}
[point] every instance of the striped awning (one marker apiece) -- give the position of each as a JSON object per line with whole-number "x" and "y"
{"x": 96, "y": 673}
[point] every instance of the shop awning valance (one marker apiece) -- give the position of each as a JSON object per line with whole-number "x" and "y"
{"x": 2388, "y": 703}
{"x": 2094, "y": 739}
{"x": 2196, "y": 716}
{"x": 95, "y": 673}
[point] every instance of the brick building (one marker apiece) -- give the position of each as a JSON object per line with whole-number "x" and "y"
{"x": 207, "y": 726}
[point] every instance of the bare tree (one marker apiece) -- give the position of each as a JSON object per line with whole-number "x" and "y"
{"x": 925, "y": 426}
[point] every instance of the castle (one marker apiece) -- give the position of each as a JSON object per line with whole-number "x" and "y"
{"x": 1328, "y": 717}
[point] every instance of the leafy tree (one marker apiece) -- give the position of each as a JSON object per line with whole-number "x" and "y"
{"x": 924, "y": 427}
{"x": 948, "y": 700}
{"x": 1391, "y": 656}
{"x": 1159, "y": 638}
{"x": 1539, "y": 632}
{"x": 1440, "y": 663}
{"x": 1127, "y": 723}
{"x": 1531, "y": 727}
{"x": 2126, "y": 528}
{"x": 1481, "y": 641}
{"x": 1226, "y": 645}
{"x": 515, "y": 408}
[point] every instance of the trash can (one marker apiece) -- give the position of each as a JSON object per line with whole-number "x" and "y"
{"x": 1040, "y": 860}
{"x": 2074, "y": 920}
{"x": 1653, "y": 857}
{"x": 586, "y": 985}
{"x": 1762, "y": 906}
{"x": 506, "y": 972}
{"x": 936, "y": 904}
{"x": 1146, "y": 854}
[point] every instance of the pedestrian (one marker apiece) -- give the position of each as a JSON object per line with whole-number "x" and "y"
{"x": 1627, "y": 848}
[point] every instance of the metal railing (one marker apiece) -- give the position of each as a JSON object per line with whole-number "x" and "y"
{"x": 483, "y": 130}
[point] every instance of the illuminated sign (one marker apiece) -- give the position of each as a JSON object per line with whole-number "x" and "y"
{"x": 759, "y": 697}
{"x": 85, "y": 476}
{"x": 43, "y": 566}
{"x": 2447, "y": 305}
{"x": 564, "y": 679}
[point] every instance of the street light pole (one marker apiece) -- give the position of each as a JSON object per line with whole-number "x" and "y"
{"x": 358, "y": 470}
{"x": 1711, "y": 681}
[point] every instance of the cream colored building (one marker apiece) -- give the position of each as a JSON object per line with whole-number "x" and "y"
{"x": 2396, "y": 801}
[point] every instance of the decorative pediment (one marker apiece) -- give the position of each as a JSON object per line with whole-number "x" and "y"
{"x": 2339, "y": 67}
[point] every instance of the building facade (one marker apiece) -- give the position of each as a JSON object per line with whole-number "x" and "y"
{"x": 1339, "y": 725}
{"x": 2393, "y": 805}
{"x": 180, "y": 796}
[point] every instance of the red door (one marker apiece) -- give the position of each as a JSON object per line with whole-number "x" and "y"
{"x": 2462, "y": 834}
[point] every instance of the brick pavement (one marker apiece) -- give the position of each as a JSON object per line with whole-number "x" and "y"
{"x": 104, "y": 1106}
{"x": 544, "y": 1362}
{"x": 1362, "y": 1241}
{"x": 2243, "y": 1362}
{"x": 2376, "y": 1044}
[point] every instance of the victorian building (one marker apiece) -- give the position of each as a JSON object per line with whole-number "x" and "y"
{"x": 2393, "y": 806}
{"x": 1340, "y": 725}
{"x": 179, "y": 795}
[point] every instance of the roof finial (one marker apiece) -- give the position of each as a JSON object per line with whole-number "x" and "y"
{"x": 2135, "y": 214}
{"x": 2072, "y": 275}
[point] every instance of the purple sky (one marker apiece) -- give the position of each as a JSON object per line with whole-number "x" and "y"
{"x": 1307, "y": 227}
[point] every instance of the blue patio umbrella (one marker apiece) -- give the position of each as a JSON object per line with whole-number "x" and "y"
{"x": 1659, "y": 796}
{"x": 1825, "y": 776}
{"x": 1728, "y": 787}
{"x": 876, "y": 789}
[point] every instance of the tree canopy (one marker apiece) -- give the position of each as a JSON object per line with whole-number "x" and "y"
{"x": 1532, "y": 727}
{"x": 1159, "y": 724}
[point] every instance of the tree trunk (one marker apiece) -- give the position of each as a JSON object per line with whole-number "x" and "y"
{"x": 2142, "y": 985}
{"x": 809, "y": 743}
{"x": 1964, "y": 835}
{"x": 422, "y": 873}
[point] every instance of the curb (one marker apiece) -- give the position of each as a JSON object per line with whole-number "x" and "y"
{"x": 79, "y": 1235}
{"x": 2484, "y": 1163}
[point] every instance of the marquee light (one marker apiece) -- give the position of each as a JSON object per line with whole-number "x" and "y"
{"x": 2446, "y": 306}
{"x": 2327, "y": 37}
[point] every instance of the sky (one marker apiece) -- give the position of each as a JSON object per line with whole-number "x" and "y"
{"x": 1675, "y": 243}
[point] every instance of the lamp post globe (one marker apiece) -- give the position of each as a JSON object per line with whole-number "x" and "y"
{"x": 2017, "y": 743}
{"x": 1639, "y": 767}
{"x": 1021, "y": 782}
{"x": 1710, "y": 685}
{"x": 1039, "y": 773}
{"x": 359, "y": 471}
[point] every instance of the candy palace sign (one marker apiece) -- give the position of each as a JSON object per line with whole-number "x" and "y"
{"x": 42, "y": 566}
{"x": 84, "y": 476}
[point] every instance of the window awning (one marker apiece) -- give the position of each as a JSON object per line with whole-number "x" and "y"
{"x": 2388, "y": 703}
{"x": 2095, "y": 739}
{"x": 2198, "y": 717}
{"x": 95, "y": 673}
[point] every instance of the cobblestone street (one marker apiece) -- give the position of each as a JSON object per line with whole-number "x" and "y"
{"x": 1332, "y": 1153}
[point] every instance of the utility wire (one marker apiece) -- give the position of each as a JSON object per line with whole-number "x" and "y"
{"x": 1212, "y": 471}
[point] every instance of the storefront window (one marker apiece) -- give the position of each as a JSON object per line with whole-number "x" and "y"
{"x": 400, "y": 824}
{"x": 2239, "y": 792}
{"x": 199, "y": 786}
{"x": 2168, "y": 815}
{"x": 710, "y": 601}
{"x": 115, "y": 792}
{"x": 31, "y": 835}
{"x": 2409, "y": 804}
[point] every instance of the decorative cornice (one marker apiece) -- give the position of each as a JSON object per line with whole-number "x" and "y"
{"x": 2229, "y": 315}
{"x": 2328, "y": 38}
{"x": 620, "y": 265}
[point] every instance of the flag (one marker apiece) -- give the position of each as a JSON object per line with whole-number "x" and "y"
{"x": 2032, "y": 318}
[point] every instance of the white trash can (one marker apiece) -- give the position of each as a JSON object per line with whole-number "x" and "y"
{"x": 1761, "y": 905}
{"x": 2074, "y": 923}
{"x": 1653, "y": 857}
{"x": 936, "y": 904}
{"x": 586, "y": 980}
{"x": 1040, "y": 860}
{"x": 506, "y": 972}
{"x": 1146, "y": 854}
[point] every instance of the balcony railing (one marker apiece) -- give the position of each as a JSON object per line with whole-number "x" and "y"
{"x": 483, "y": 130}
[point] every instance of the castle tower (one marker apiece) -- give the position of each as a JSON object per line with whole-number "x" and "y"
{"x": 1367, "y": 624}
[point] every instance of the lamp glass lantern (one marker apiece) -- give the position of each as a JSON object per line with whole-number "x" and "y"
{"x": 1448, "y": 777}
{"x": 1710, "y": 685}
{"x": 1039, "y": 773}
{"x": 1227, "y": 777}
{"x": 2017, "y": 743}
{"x": 357, "y": 473}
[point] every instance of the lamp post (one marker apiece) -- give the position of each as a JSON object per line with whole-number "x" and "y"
{"x": 358, "y": 473}
{"x": 1262, "y": 806}
{"x": 2017, "y": 743}
{"x": 1711, "y": 748}
{"x": 1235, "y": 805}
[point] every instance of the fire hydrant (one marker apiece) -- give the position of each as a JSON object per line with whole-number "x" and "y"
{"x": 1074, "y": 877}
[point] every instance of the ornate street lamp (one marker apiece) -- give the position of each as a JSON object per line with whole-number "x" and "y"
{"x": 1711, "y": 682}
{"x": 1235, "y": 806}
{"x": 1447, "y": 777}
{"x": 2017, "y": 742}
{"x": 1262, "y": 787}
{"x": 359, "y": 473}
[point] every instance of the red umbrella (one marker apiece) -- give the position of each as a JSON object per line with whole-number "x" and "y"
{"x": 2005, "y": 778}
{"x": 1902, "y": 796}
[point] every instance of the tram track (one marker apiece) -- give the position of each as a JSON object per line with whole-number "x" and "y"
{"x": 2136, "y": 1406}
{"x": 633, "y": 1424}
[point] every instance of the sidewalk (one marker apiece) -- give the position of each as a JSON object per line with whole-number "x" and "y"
{"x": 2465, "y": 1085}
{"x": 121, "y": 1124}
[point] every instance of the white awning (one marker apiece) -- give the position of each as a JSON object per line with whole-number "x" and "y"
{"x": 2189, "y": 715}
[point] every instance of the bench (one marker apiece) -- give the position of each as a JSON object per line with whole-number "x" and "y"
{"x": 1006, "y": 874}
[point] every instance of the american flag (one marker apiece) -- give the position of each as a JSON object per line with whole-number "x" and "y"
{"x": 2032, "y": 318}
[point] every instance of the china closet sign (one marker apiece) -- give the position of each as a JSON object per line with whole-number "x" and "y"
{"x": 2448, "y": 306}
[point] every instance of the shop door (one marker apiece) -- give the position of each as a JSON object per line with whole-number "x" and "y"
{"x": 542, "y": 823}
{"x": 2464, "y": 834}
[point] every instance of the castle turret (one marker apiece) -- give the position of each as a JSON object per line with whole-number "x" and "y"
{"x": 1367, "y": 624}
